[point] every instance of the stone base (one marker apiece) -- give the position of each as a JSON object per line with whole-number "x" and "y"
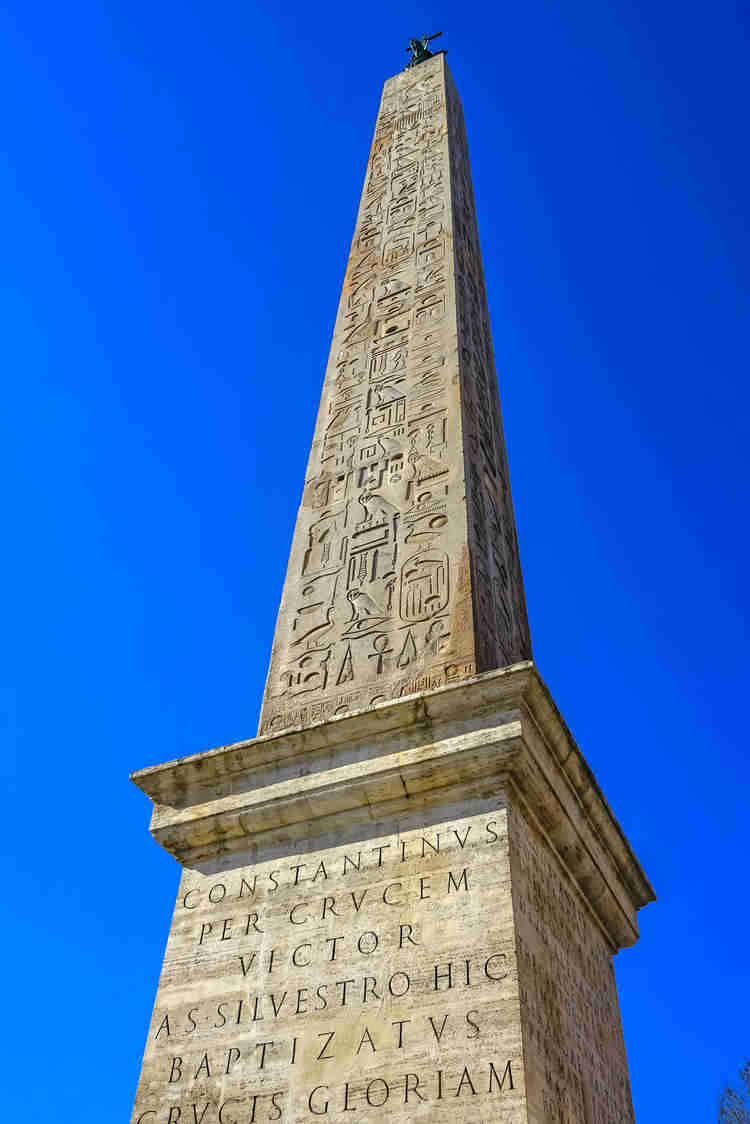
{"x": 407, "y": 913}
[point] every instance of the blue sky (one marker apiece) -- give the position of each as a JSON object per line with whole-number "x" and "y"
{"x": 178, "y": 187}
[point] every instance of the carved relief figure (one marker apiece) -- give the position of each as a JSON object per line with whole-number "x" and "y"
{"x": 313, "y": 623}
{"x": 374, "y": 543}
{"x": 306, "y": 674}
{"x": 366, "y": 617}
{"x": 326, "y": 544}
{"x": 386, "y": 406}
{"x": 424, "y": 586}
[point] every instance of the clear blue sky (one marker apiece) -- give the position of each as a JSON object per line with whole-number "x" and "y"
{"x": 178, "y": 189}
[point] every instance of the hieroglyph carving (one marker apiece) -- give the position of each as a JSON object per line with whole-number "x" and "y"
{"x": 404, "y": 565}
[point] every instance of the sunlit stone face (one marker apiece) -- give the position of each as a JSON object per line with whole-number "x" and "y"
{"x": 376, "y": 977}
{"x": 404, "y": 571}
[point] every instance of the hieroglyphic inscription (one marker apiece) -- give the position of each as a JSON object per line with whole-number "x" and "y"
{"x": 404, "y": 565}
{"x": 343, "y": 983}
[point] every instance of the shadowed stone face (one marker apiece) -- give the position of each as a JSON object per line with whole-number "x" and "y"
{"x": 404, "y": 571}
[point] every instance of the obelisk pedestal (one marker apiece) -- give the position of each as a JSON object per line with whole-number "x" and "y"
{"x": 407, "y": 913}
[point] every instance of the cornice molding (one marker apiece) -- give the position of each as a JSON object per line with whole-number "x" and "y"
{"x": 501, "y": 729}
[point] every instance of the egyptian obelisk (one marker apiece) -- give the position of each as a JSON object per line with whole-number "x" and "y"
{"x": 401, "y": 900}
{"x": 404, "y": 571}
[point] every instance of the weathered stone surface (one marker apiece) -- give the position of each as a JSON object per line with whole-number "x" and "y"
{"x": 433, "y": 888}
{"x": 401, "y": 901}
{"x": 574, "y": 1056}
{"x": 404, "y": 569}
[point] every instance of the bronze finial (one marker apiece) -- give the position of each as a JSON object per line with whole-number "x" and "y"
{"x": 419, "y": 49}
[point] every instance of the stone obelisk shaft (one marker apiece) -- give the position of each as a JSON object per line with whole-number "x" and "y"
{"x": 404, "y": 572}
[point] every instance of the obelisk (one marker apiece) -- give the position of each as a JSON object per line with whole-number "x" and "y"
{"x": 400, "y": 901}
{"x": 404, "y": 571}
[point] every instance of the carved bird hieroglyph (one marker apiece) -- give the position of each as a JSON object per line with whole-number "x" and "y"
{"x": 366, "y": 614}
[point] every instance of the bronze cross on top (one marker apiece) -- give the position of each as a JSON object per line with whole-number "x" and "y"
{"x": 419, "y": 50}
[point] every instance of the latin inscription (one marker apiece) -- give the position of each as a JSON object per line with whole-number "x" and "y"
{"x": 348, "y": 981}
